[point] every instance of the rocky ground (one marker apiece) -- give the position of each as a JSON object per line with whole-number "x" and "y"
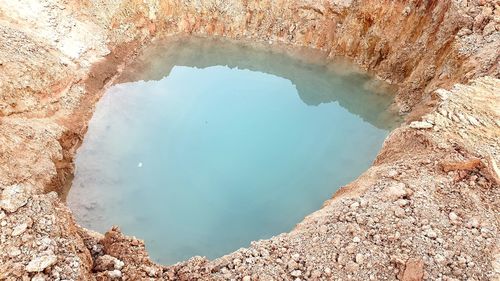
{"x": 428, "y": 209}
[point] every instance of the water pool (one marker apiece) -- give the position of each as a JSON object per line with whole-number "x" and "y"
{"x": 204, "y": 145}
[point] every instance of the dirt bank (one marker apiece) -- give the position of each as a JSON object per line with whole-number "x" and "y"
{"x": 427, "y": 208}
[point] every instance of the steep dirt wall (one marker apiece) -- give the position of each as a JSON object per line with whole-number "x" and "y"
{"x": 455, "y": 41}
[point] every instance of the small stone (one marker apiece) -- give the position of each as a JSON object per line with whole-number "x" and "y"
{"x": 119, "y": 264}
{"x": 328, "y": 271}
{"x": 453, "y": 216}
{"x": 296, "y": 273}
{"x": 351, "y": 267}
{"x": 440, "y": 259}
{"x": 392, "y": 173}
{"x": 443, "y": 94}
{"x": 399, "y": 212}
{"x": 431, "y": 233}
{"x": 291, "y": 264}
{"x": 247, "y": 278}
{"x": 14, "y": 252}
{"x": 114, "y": 274}
{"x": 356, "y": 239}
{"x": 409, "y": 192}
{"x": 420, "y": 125}
{"x": 402, "y": 202}
{"x": 19, "y": 229}
{"x": 151, "y": 271}
{"x": 489, "y": 28}
{"x": 40, "y": 263}
{"x": 323, "y": 229}
{"x": 39, "y": 277}
{"x": 473, "y": 223}
{"x": 359, "y": 258}
{"x": 315, "y": 274}
{"x": 414, "y": 270}
{"x": 395, "y": 191}
{"x": 107, "y": 263}
{"x": 296, "y": 257}
{"x": 354, "y": 205}
{"x": 13, "y": 197}
{"x": 363, "y": 203}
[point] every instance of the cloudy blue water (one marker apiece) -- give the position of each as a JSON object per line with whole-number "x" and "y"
{"x": 201, "y": 160}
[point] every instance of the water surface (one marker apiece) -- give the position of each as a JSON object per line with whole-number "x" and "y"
{"x": 206, "y": 145}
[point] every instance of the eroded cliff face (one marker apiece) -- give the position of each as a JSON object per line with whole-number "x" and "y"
{"x": 428, "y": 208}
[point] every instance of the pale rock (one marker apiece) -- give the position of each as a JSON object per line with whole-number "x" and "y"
{"x": 19, "y": 229}
{"x": 431, "y": 233}
{"x": 351, "y": 267}
{"x": 443, "y": 94}
{"x": 151, "y": 271}
{"x": 323, "y": 229}
{"x": 359, "y": 258}
{"x": 296, "y": 273}
{"x": 453, "y": 216}
{"x": 356, "y": 239}
{"x": 421, "y": 125}
{"x": 473, "y": 121}
{"x": 247, "y": 278}
{"x": 315, "y": 274}
{"x": 328, "y": 271}
{"x": 392, "y": 173}
{"x": 39, "y": 277}
{"x": 489, "y": 28}
{"x": 473, "y": 223}
{"x": 395, "y": 191}
{"x": 107, "y": 263}
{"x": 114, "y": 274}
{"x": 14, "y": 252}
{"x": 414, "y": 270}
{"x": 40, "y": 263}
{"x": 440, "y": 259}
{"x": 119, "y": 264}
{"x": 13, "y": 197}
{"x": 363, "y": 203}
{"x": 402, "y": 202}
{"x": 342, "y": 259}
{"x": 291, "y": 264}
{"x": 399, "y": 212}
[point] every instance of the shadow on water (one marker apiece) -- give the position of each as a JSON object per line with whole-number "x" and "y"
{"x": 317, "y": 79}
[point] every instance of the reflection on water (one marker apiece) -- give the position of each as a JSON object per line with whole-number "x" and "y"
{"x": 206, "y": 145}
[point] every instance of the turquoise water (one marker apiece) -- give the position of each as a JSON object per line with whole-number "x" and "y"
{"x": 205, "y": 145}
